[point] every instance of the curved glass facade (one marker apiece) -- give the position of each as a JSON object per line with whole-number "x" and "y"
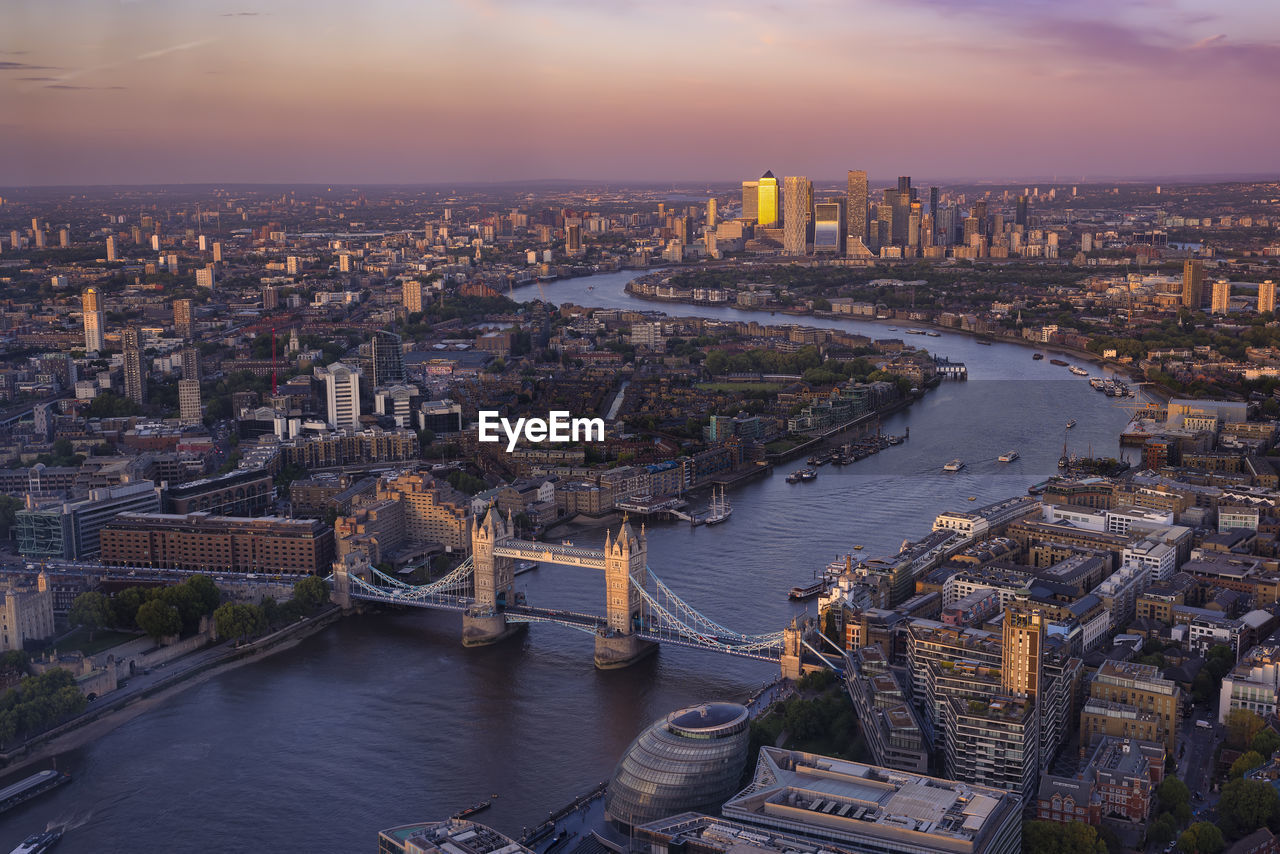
{"x": 691, "y": 760}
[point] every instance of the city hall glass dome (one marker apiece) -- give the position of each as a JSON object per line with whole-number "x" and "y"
{"x": 690, "y": 760}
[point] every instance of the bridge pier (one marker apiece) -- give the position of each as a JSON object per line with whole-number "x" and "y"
{"x": 483, "y": 628}
{"x": 613, "y": 652}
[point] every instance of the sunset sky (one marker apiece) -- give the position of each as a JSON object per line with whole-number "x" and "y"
{"x": 464, "y": 90}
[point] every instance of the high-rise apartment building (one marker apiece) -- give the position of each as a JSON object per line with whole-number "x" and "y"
{"x": 189, "y": 411}
{"x": 217, "y": 252}
{"x": 1192, "y": 283}
{"x": 342, "y": 394}
{"x": 1021, "y": 671}
{"x": 411, "y": 295}
{"x": 856, "y": 238}
{"x": 797, "y": 201}
{"x": 205, "y": 276}
{"x": 828, "y": 226}
{"x": 183, "y": 316}
{"x": 190, "y": 363}
{"x": 767, "y": 206}
{"x": 573, "y": 240}
{"x": 270, "y": 297}
{"x": 386, "y": 357}
{"x": 1221, "y": 301}
{"x": 1267, "y": 296}
{"x": 750, "y": 200}
{"x": 111, "y": 248}
{"x": 91, "y": 309}
{"x": 135, "y": 380}
{"x": 1020, "y": 215}
{"x": 711, "y": 213}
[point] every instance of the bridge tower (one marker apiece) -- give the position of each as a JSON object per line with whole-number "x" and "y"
{"x": 625, "y": 561}
{"x": 793, "y": 649}
{"x": 485, "y": 623}
{"x": 352, "y": 563}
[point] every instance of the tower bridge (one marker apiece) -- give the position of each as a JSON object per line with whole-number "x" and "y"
{"x": 640, "y": 610}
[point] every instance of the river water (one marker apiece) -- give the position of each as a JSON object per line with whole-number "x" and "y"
{"x": 386, "y": 719}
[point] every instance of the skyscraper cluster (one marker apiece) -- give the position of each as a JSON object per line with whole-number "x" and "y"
{"x": 901, "y": 224}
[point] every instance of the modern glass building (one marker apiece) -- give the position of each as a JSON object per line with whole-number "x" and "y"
{"x": 828, "y": 227}
{"x": 767, "y": 206}
{"x": 691, "y": 760}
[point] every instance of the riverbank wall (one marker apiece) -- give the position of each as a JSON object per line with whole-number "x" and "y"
{"x": 99, "y": 721}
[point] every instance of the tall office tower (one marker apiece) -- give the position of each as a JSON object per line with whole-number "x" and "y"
{"x": 1192, "y": 283}
{"x": 933, "y": 203}
{"x": 946, "y": 225}
{"x": 767, "y": 207}
{"x": 111, "y": 248}
{"x": 387, "y": 359}
{"x": 683, "y": 229}
{"x": 183, "y": 318}
{"x": 750, "y": 200}
{"x": 884, "y": 216}
{"x": 189, "y": 410}
{"x": 205, "y": 276}
{"x": 190, "y": 363}
{"x": 829, "y": 227}
{"x": 1221, "y": 300}
{"x": 980, "y": 214}
{"x": 928, "y": 231}
{"x": 900, "y": 201}
{"x": 135, "y": 381}
{"x": 711, "y": 213}
{"x": 855, "y": 220}
{"x": 411, "y": 295}
{"x": 970, "y": 230}
{"x": 342, "y": 394}
{"x": 573, "y": 240}
{"x": 797, "y": 206}
{"x": 913, "y": 226}
{"x": 217, "y": 252}
{"x": 1267, "y": 296}
{"x": 1020, "y": 217}
{"x": 91, "y": 309}
{"x": 1021, "y": 668}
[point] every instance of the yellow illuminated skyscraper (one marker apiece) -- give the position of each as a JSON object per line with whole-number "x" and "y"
{"x": 1192, "y": 283}
{"x": 1267, "y": 296}
{"x": 767, "y": 206}
{"x": 1020, "y": 669}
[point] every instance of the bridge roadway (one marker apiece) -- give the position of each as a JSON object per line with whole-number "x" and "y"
{"x": 650, "y": 630}
{"x": 149, "y": 573}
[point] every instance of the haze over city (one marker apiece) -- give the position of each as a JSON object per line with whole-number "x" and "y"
{"x": 394, "y": 92}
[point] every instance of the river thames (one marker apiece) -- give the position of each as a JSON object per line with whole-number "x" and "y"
{"x": 386, "y": 719}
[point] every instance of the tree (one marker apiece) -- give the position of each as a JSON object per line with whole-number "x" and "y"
{"x": 311, "y": 593}
{"x": 1266, "y": 742}
{"x": 1162, "y": 831}
{"x": 1173, "y": 793}
{"x": 1051, "y": 837}
{"x": 92, "y": 610}
{"x": 1201, "y": 838}
{"x": 159, "y": 619}
{"x": 206, "y": 593}
{"x": 8, "y": 507}
{"x": 1246, "y": 762}
{"x": 237, "y": 621}
{"x": 1242, "y": 726}
{"x": 1247, "y": 805}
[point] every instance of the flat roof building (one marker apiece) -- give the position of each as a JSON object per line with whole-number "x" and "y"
{"x": 868, "y": 808}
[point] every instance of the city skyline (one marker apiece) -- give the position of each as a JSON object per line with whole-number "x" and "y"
{"x": 490, "y": 91}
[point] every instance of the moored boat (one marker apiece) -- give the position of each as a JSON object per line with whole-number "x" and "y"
{"x": 1008, "y": 456}
{"x": 954, "y": 466}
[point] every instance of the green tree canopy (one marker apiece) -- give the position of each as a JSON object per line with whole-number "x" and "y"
{"x": 159, "y": 619}
{"x": 1247, "y": 805}
{"x": 1201, "y": 838}
{"x": 92, "y": 610}
{"x": 1051, "y": 837}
